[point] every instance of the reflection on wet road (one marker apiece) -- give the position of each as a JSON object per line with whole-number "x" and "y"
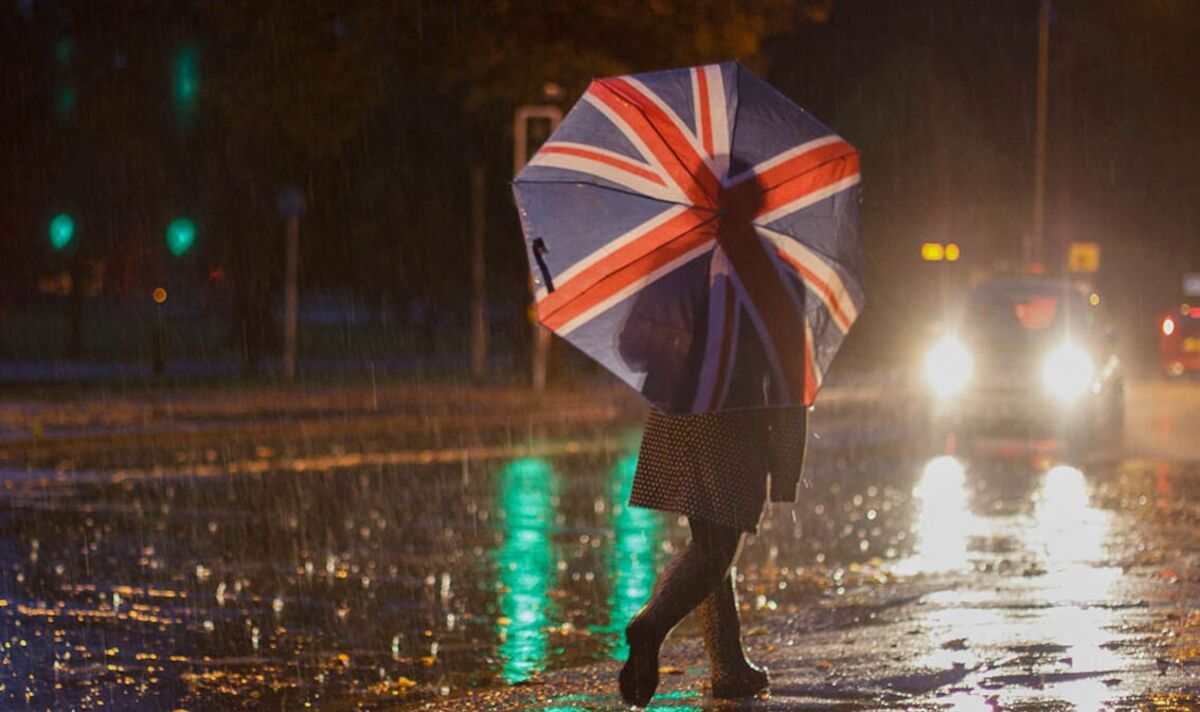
{"x": 348, "y": 572}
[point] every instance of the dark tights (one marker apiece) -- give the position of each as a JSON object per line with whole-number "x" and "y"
{"x": 702, "y": 569}
{"x": 701, "y": 576}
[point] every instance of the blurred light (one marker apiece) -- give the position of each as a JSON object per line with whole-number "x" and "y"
{"x": 933, "y": 252}
{"x": 526, "y": 560}
{"x": 1194, "y": 312}
{"x": 1067, "y": 372}
{"x": 62, "y": 231}
{"x": 1185, "y": 308}
{"x": 1168, "y": 326}
{"x": 159, "y": 295}
{"x": 952, "y": 252}
{"x": 948, "y": 366}
{"x": 1094, "y": 299}
{"x": 185, "y": 79}
{"x": 631, "y": 563}
{"x": 945, "y": 522}
{"x": 181, "y": 235}
{"x": 64, "y": 50}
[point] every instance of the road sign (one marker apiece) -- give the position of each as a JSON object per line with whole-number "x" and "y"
{"x": 1084, "y": 257}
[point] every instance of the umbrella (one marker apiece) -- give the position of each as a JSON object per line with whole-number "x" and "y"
{"x": 696, "y": 233}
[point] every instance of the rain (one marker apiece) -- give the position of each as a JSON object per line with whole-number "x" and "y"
{"x": 327, "y": 349}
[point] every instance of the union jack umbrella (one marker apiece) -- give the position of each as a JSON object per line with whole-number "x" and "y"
{"x": 696, "y": 233}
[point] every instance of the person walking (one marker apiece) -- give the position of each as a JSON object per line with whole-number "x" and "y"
{"x": 717, "y": 469}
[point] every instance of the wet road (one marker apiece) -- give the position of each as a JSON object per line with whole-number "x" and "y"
{"x": 426, "y": 556}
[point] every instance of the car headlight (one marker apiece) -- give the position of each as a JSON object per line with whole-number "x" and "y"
{"x": 1067, "y": 372}
{"x": 948, "y": 366}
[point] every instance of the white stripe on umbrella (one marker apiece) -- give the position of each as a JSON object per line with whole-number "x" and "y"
{"x": 820, "y": 277}
{"x": 610, "y": 247}
{"x": 808, "y": 199}
{"x": 632, "y": 136}
{"x": 554, "y": 155}
{"x": 712, "y": 116}
{"x": 783, "y": 158}
{"x": 631, "y": 288}
{"x": 670, "y": 113}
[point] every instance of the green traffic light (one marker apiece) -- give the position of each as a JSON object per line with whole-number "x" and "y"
{"x": 185, "y": 82}
{"x": 62, "y": 231}
{"x": 181, "y": 235}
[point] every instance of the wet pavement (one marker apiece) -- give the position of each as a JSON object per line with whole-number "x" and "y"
{"x": 400, "y": 549}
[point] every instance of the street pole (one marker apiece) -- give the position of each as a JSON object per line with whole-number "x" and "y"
{"x": 478, "y": 285}
{"x": 522, "y": 148}
{"x": 1037, "y": 233}
{"x": 291, "y": 266}
{"x": 291, "y": 206}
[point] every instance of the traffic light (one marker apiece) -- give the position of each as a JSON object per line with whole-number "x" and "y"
{"x": 62, "y": 231}
{"x": 185, "y": 80}
{"x": 181, "y": 235}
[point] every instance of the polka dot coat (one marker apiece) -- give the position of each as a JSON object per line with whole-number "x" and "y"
{"x": 715, "y": 466}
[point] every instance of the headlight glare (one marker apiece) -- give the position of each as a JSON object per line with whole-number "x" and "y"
{"x": 948, "y": 366}
{"x": 1067, "y": 372}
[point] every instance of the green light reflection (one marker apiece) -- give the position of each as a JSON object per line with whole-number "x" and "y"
{"x": 631, "y": 562}
{"x": 526, "y": 561}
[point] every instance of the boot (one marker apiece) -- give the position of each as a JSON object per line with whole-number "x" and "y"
{"x": 685, "y": 582}
{"x": 733, "y": 675}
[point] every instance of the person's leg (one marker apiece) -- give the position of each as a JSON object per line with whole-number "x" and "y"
{"x": 732, "y": 674}
{"x": 688, "y": 579}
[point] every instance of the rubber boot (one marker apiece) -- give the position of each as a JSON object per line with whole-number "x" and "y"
{"x": 686, "y": 581}
{"x": 733, "y": 676}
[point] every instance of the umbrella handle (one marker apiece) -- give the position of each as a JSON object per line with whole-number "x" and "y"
{"x": 539, "y": 249}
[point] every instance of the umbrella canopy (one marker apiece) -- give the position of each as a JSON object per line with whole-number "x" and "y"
{"x": 696, "y": 232}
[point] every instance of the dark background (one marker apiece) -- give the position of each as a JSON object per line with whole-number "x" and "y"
{"x": 378, "y": 112}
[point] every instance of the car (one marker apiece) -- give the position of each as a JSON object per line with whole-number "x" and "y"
{"x": 1179, "y": 340}
{"x": 1028, "y": 357}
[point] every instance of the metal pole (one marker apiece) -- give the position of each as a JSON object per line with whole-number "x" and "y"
{"x": 1037, "y": 234}
{"x": 541, "y": 335}
{"x": 290, "y": 302}
{"x": 478, "y": 286}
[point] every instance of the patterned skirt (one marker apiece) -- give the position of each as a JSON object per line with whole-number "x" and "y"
{"x": 715, "y": 466}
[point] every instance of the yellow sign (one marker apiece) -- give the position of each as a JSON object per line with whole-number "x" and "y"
{"x": 1084, "y": 257}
